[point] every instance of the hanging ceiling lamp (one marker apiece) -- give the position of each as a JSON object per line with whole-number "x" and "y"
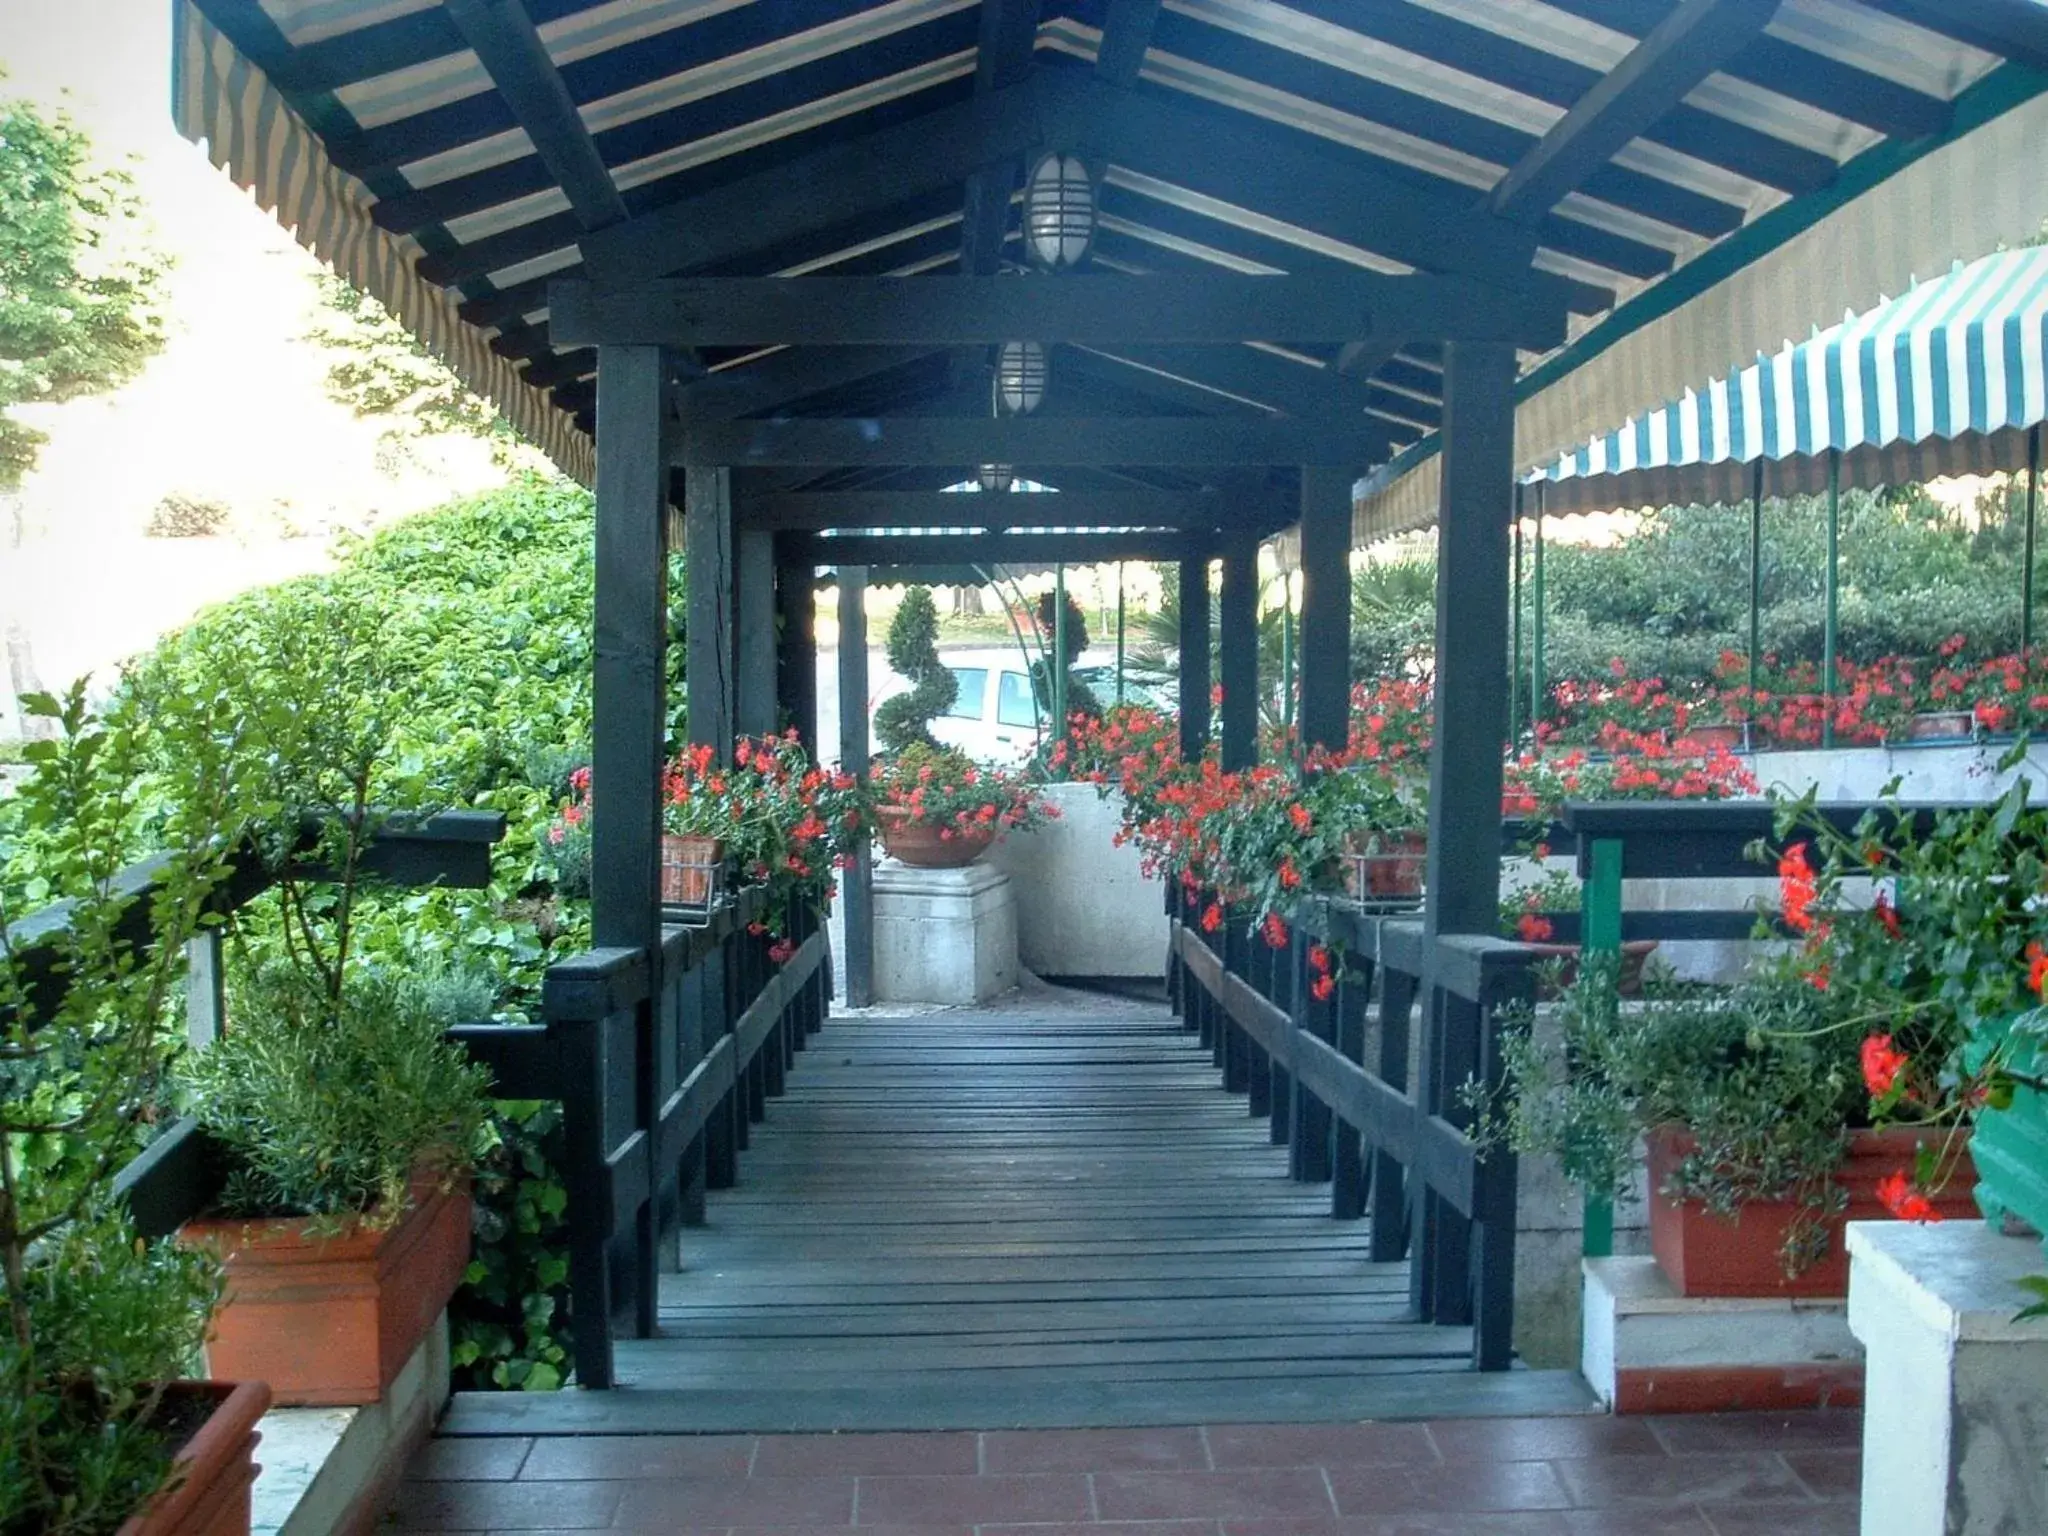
{"x": 1059, "y": 211}
{"x": 997, "y": 478}
{"x": 1021, "y": 371}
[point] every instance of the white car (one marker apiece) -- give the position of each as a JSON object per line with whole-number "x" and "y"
{"x": 994, "y": 718}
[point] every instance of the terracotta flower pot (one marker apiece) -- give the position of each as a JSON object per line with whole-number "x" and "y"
{"x": 922, "y": 846}
{"x": 1385, "y": 866}
{"x": 1708, "y": 1255}
{"x": 1941, "y": 725}
{"x": 689, "y": 866}
{"x": 1635, "y": 953}
{"x": 333, "y": 1319}
{"x": 208, "y": 1492}
{"x": 1708, "y": 738}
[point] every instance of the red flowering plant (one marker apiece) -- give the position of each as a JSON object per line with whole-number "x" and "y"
{"x": 792, "y": 822}
{"x": 1132, "y": 749}
{"x": 700, "y": 798}
{"x": 939, "y": 787}
{"x": 1928, "y": 932}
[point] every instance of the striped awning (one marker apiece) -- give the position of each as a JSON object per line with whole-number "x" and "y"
{"x": 1948, "y": 378}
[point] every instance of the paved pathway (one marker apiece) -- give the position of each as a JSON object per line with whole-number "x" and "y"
{"x": 1735, "y": 1475}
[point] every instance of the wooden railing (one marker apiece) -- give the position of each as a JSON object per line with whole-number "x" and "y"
{"x": 1395, "y": 1136}
{"x": 662, "y": 1063}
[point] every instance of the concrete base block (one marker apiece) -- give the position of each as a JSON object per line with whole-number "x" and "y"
{"x": 1084, "y": 905}
{"x": 944, "y": 935}
{"x": 1648, "y": 1349}
{"x": 1957, "y": 1414}
{"x": 331, "y": 1471}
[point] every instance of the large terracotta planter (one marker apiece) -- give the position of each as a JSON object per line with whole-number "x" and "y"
{"x": 1941, "y": 725}
{"x": 1708, "y": 738}
{"x": 1385, "y": 866}
{"x": 922, "y": 846}
{"x": 333, "y": 1319}
{"x": 689, "y": 869}
{"x": 1707, "y": 1255}
{"x": 211, "y": 1474}
{"x": 1635, "y": 953}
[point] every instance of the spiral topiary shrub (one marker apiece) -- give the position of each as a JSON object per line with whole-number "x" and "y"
{"x": 914, "y": 656}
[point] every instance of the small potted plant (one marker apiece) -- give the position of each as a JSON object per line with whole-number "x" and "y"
{"x": 345, "y": 1127}
{"x": 700, "y": 815}
{"x": 100, "y": 1428}
{"x": 934, "y": 808}
{"x": 791, "y": 823}
{"x": 1526, "y": 913}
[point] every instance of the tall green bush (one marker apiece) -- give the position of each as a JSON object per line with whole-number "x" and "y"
{"x": 914, "y": 656}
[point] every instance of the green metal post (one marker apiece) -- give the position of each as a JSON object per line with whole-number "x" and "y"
{"x": 2027, "y": 559}
{"x": 1056, "y": 684}
{"x": 1827, "y": 639}
{"x": 1536, "y": 679}
{"x": 1119, "y": 631}
{"x": 1756, "y": 592}
{"x": 1600, "y": 915}
{"x": 1515, "y": 693}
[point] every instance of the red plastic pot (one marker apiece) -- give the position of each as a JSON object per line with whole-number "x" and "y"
{"x": 1708, "y": 1255}
{"x": 1379, "y": 866}
{"x": 1635, "y": 953}
{"x": 208, "y": 1492}
{"x": 1707, "y": 738}
{"x": 333, "y": 1319}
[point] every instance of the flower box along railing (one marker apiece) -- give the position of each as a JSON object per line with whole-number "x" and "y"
{"x": 662, "y": 1062}
{"x": 1289, "y": 1026}
{"x": 175, "y": 1178}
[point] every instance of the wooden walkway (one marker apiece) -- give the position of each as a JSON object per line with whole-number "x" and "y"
{"x": 987, "y": 1219}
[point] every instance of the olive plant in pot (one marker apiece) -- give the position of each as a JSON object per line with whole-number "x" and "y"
{"x": 99, "y": 1432}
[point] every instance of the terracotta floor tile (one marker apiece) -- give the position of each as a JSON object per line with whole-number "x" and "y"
{"x": 1676, "y": 1479}
{"x": 865, "y": 1455}
{"x": 1836, "y": 1517}
{"x": 1829, "y": 1474}
{"x": 1463, "y": 1440}
{"x": 1812, "y": 1429}
{"x": 1474, "y": 1487}
{"x": 1318, "y": 1445}
{"x": 453, "y": 1506}
{"x": 1251, "y": 1494}
{"x": 1093, "y": 1450}
{"x": 701, "y": 1501}
{"x": 1033, "y": 1498}
{"x": 641, "y": 1456}
{"x": 468, "y": 1460}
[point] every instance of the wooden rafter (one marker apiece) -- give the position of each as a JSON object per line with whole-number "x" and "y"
{"x": 1028, "y": 441}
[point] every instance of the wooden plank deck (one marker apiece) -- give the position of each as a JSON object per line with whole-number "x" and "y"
{"x": 985, "y": 1219}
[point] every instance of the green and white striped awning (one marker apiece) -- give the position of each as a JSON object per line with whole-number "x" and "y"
{"x": 1948, "y": 378}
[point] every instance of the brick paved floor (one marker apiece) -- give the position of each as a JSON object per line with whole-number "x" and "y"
{"x": 1758, "y": 1474}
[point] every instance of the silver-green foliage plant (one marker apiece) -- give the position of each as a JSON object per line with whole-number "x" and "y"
{"x": 96, "y": 1324}
{"x": 329, "y": 1106}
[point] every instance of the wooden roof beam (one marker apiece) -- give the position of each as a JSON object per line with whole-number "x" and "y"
{"x": 985, "y": 549}
{"x": 1688, "y": 45}
{"x": 1126, "y": 34}
{"x": 1098, "y": 309}
{"x": 814, "y": 510}
{"x": 1029, "y": 441}
{"x": 2014, "y": 29}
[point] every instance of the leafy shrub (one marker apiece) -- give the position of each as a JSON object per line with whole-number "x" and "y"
{"x": 510, "y": 1319}
{"x": 914, "y": 656}
{"x": 326, "y": 1106}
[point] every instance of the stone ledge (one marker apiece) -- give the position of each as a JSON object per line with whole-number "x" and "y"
{"x": 330, "y": 1471}
{"x": 1961, "y": 1279}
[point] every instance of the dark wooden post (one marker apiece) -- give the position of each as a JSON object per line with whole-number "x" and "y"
{"x": 1474, "y": 509}
{"x": 1237, "y": 616}
{"x": 1475, "y": 504}
{"x": 1325, "y": 722}
{"x": 708, "y": 681}
{"x": 796, "y": 607}
{"x": 1194, "y": 658}
{"x": 754, "y": 672}
{"x": 856, "y": 882}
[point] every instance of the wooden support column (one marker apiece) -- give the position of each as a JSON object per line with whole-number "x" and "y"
{"x": 1475, "y": 505}
{"x": 856, "y": 885}
{"x": 708, "y": 561}
{"x": 796, "y": 609}
{"x": 1325, "y": 722}
{"x": 755, "y": 710}
{"x": 1237, "y": 617}
{"x": 1194, "y": 658}
{"x": 629, "y": 708}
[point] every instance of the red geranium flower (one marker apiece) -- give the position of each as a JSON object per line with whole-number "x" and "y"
{"x": 2037, "y": 970}
{"x": 1322, "y": 987}
{"x": 1882, "y": 1065}
{"x": 1275, "y": 930}
{"x": 1212, "y": 919}
{"x": 1797, "y": 888}
{"x": 1895, "y": 1192}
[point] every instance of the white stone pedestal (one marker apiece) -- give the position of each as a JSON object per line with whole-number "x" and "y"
{"x": 1648, "y": 1349}
{"x": 1085, "y": 907}
{"x": 1955, "y": 1420}
{"x": 944, "y": 935}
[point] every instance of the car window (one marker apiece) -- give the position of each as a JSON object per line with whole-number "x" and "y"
{"x": 1013, "y": 700}
{"x": 972, "y": 698}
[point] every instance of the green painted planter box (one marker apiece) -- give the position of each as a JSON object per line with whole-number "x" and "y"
{"x": 2011, "y": 1151}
